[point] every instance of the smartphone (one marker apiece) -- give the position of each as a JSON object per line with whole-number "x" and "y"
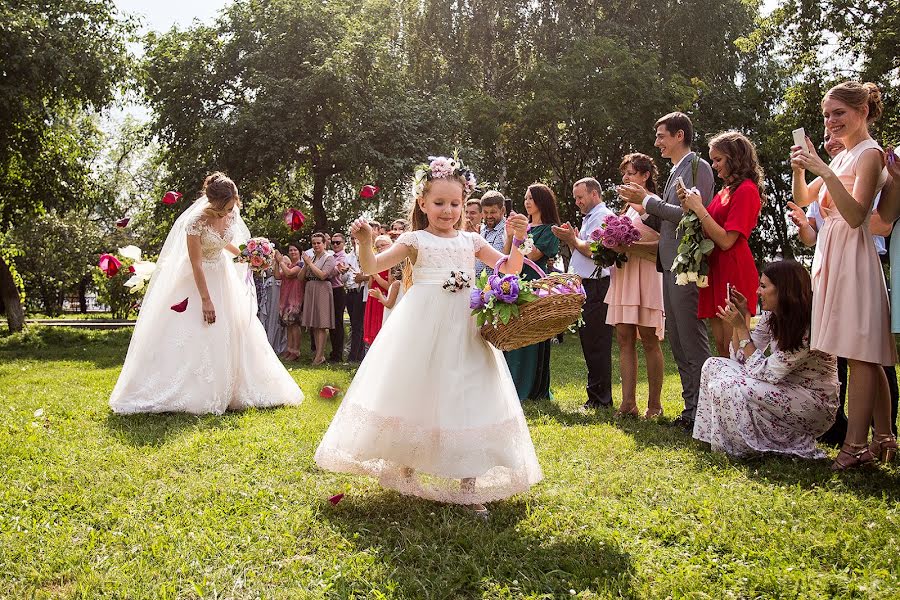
{"x": 679, "y": 183}
{"x": 891, "y": 156}
{"x": 727, "y": 292}
{"x": 799, "y": 137}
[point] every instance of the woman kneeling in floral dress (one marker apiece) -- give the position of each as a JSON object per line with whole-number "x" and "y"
{"x": 779, "y": 403}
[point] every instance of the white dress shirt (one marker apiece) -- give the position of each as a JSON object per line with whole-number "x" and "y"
{"x": 581, "y": 264}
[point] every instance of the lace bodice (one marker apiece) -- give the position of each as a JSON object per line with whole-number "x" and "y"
{"x": 211, "y": 243}
{"x": 438, "y": 254}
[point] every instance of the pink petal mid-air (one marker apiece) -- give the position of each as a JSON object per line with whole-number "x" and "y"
{"x": 109, "y": 264}
{"x": 369, "y": 191}
{"x": 172, "y": 197}
{"x": 294, "y": 219}
{"x": 180, "y": 307}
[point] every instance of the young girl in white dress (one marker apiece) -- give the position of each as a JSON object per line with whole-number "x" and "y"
{"x": 433, "y": 411}
{"x": 212, "y": 354}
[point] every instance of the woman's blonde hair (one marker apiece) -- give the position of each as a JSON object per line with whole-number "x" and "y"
{"x": 219, "y": 189}
{"x": 743, "y": 162}
{"x": 859, "y": 96}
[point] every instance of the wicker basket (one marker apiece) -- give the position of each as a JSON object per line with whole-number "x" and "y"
{"x": 541, "y": 319}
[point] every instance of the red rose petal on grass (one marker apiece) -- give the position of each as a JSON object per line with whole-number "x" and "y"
{"x": 328, "y": 392}
{"x": 180, "y": 307}
{"x": 123, "y": 222}
{"x": 294, "y": 219}
{"x": 109, "y": 264}
{"x": 172, "y": 197}
{"x": 336, "y": 498}
{"x": 369, "y": 191}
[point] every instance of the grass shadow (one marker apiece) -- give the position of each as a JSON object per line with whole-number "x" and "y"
{"x": 102, "y": 349}
{"x": 437, "y": 550}
{"x": 141, "y": 430}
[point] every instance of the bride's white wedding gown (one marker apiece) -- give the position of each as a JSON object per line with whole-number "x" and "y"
{"x": 178, "y": 363}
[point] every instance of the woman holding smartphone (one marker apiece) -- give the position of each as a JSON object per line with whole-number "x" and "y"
{"x": 850, "y": 316}
{"x": 728, "y": 221}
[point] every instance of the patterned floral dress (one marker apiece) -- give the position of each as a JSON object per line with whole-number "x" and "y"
{"x": 777, "y": 403}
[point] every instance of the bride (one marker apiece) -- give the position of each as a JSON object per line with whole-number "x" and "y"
{"x": 197, "y": 345}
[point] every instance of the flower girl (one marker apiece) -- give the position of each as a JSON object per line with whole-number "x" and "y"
{"x": 433, "y": 411}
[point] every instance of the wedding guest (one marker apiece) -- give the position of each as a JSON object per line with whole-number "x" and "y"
{"x": 376, "y": 228}
{"x": 780, "y": 402}
{"x": 635, "y": 299}
{"x": 596, "y": 333}
{"x": 394, "y": 293}
{"x": 891, "y": 195}
{"x": 473, "y": 216}
{"x": 268, "y": 298}
{"x": 318, "y": 301}
{"x": 290, "y": 271}
{"x": 357, "y": 284}
{"x": 374, "y": 316}
{"x": 398, "y": 227}
{"x": 808, "y": 227}
{"x": 728, "y": 221}
{"x": 846, "y": 271}
{"x": 685, "y": 332}
{"x": 493, "y": 228}
{"x": 339, "y": 297}
{"x": 530, "y": 366}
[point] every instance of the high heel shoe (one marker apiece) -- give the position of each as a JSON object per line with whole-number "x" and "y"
{"x": 884, "y": 447}
{"x": 859, "y": 456}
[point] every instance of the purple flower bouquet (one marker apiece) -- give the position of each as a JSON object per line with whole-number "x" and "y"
{"x": 615, "y": 232}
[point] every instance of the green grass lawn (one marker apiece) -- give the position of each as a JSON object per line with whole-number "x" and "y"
{"x": 94, "y": 505}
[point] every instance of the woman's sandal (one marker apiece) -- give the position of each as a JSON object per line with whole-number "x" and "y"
{"x": 631, "y": 412}
{"x": 884, "y": 447}
{"x": 480, "y": 511}
{"x": 859, "y": 456}
{"x": 653, "y": 413}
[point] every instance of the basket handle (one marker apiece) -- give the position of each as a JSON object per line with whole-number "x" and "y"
{"x": 525, "y": 260}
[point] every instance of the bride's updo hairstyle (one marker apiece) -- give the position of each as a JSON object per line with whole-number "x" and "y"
{"x": 859, "y": 96}
{"x": 219, "y": 190}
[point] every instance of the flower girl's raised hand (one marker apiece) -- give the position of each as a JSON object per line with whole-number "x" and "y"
{"x": 362, "y": 231}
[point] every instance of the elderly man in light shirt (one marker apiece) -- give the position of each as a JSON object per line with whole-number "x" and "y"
{"x": 493, "y": 227}
{"x": 596, "y": 335}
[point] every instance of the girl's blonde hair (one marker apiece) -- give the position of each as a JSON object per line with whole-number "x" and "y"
{"x": 219, "y": 189}
{"x": 382, "y": 238}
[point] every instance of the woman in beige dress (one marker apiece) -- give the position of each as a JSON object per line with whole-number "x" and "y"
{"x": 850, "y": 315}
{"x": 318, "y": 302}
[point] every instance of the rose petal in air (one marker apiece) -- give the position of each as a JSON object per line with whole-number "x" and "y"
{"x": 109, "y": 264}
{"x": 369, "y": 191}
{"x": 294, "y": 219}
{"x": 123, "y": 222}
{"x": 180, "y": 307}
{"x": 172, "y": 197}
{"x": 336, "y": 498}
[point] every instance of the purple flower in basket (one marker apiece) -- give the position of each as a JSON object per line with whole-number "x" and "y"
{"x": 476, "y": 299}
{"x": 506, "y": 288}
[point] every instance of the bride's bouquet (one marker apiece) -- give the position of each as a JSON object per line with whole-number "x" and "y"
{"x": 615, "y": 232}
{"x": 259, "y": 253}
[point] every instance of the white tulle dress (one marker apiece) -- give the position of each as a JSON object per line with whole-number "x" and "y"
{"x": 433, "y": 403}
{"x": 178, "y": 363}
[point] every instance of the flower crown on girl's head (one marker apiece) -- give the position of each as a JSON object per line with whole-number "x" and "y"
{"x": 441, "y": 167}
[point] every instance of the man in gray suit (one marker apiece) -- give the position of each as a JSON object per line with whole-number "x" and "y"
{"x": 685, "y": 332}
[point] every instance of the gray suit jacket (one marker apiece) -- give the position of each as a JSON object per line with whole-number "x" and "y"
{"x": 665, "y": 213}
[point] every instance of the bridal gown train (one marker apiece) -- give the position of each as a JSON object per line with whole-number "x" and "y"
{"x": 178, "y": 363}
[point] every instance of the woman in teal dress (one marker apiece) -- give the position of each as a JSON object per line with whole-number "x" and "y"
{"x": 530, "y": 366}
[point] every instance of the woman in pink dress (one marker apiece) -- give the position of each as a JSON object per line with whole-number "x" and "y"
{"x": 635, "y": 299}
{"x": 850, "y": 315}
{"x": 290, "y": 270}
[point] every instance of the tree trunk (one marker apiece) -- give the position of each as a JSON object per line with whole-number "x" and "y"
{"x": 82, "y": 294}
{"x": 15, "y": 314}
{"x": 320, "y": 180}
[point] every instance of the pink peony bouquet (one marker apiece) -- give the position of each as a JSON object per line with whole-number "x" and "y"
{"x": 615, "y": 232}
{"x": 259, "y": 253}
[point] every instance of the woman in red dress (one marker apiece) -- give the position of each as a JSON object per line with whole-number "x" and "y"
{"x": 374, "y": 309}
{"x": 728, "y": 221}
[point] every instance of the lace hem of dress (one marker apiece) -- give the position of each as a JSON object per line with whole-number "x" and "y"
{"x": 505, "y": 446}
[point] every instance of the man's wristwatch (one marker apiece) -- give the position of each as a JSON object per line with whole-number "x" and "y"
{"x": 743, "y": 344}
